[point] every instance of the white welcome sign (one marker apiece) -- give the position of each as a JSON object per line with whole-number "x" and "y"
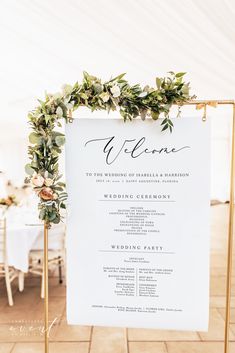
{"x": 138, "y": 223}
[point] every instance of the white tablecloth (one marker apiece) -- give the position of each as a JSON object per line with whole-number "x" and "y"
{"x": 25, "y": 233}
{"x": 19, "y": 241}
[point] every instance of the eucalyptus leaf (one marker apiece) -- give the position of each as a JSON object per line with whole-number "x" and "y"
{"x": 180, "y": 74}
{"x": 98, "y": 88}
{"x": 60, "y": 140}
{"x": 35, "y": 138}
{"x": 117, "y": 78}
{"x": 47, "y": 118}
{"x": 158, "y": 82}
{"x": 29, "y": 170}
{"x": 52, "y": 215}
{"x": 83, "y": 95}
{"x": 42, "y": 214}
{"x": 154, "y": 115}
{"x": 56, "y": 220}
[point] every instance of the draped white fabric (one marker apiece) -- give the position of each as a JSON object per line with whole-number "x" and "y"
{"x": 47, "y": 43}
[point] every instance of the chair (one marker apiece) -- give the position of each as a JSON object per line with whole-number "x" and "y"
{"x": 56, "y": 253}
{"x": 7, "y": 271}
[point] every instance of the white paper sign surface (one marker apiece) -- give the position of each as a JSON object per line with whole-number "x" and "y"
{"x": 138, "y": 223}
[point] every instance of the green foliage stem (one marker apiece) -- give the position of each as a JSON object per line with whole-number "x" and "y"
{"x": 116, "y": 94}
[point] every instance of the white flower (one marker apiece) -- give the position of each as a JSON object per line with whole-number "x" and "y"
{"x": 37, "y": 180}
{"x": 115, "y": 91}
{"x": 143, "y": 94}
{"x": 57, "y": 95}
{"x": 48, "y": 181}
{"x": 104, "y": 96}
{"x": 67, "y": 89}
{"x": 59, "y": 112}
{"x": 69, "y": 105}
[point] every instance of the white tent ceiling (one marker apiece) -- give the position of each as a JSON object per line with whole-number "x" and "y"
{"x": 45, "y": 43}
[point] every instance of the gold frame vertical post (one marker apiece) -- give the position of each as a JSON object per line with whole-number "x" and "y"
{"x": 45, "y": 279}
{"x": 230, "y": 239}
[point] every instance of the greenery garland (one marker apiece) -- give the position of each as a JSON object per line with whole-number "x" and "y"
{"x": 115, "y": 94}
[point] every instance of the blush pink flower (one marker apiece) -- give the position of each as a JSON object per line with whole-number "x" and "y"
{"x": 46, "y": 194}
{"x": 37, "y": 180}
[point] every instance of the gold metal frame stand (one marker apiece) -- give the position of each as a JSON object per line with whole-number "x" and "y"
{"x": 230, "y": 239}
{"x": 231, "y": 215}
{"x": 46, "y": 299}
{"x": 201, "y": 103}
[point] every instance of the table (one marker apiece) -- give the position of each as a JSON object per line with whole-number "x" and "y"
{"x": 24, "y": 232}
{"x": 19, "y": 242}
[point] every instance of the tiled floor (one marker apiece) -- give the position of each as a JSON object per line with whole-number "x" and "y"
{"x": 21, "y": 326}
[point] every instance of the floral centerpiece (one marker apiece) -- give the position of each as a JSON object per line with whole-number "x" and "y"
{"x": 7, "y": 202}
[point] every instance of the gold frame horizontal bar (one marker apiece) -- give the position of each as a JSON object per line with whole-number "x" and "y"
{"x": 226, "y": 101}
